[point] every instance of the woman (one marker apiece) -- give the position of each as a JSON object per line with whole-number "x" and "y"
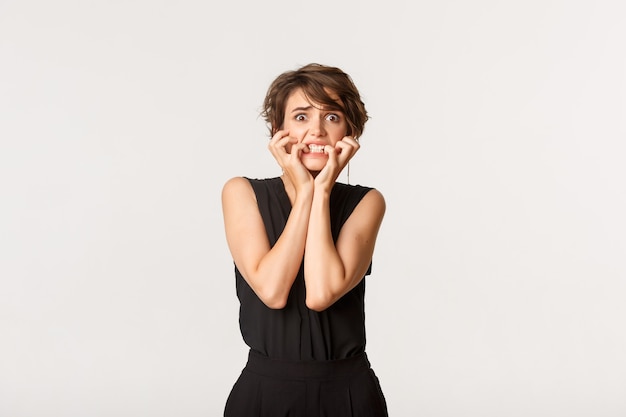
{"x": 302, "y": 244}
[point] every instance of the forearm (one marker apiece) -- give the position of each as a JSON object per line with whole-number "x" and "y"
{"x": 279, "y": 267}
{"x": 324, "y": 271}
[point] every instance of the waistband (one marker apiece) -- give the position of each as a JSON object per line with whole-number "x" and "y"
{"x": 283, "y": 368}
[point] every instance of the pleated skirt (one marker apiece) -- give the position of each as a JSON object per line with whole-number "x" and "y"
{"x": 281, "y": 388}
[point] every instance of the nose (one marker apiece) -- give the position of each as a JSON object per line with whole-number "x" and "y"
{"x": 317, "y": 127}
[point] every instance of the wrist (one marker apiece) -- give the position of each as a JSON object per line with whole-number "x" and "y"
{"x": 322, "y": 194}
{"x": 305, "y": 193}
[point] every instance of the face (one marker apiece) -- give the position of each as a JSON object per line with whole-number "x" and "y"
{"x": 314, "y": 126}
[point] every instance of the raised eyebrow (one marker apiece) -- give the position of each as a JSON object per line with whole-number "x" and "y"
{"x": 307, "y": 108}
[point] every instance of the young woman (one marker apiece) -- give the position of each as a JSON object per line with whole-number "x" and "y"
{"x": 302, "y": 244}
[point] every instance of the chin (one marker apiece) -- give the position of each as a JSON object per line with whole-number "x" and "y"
{"x": 315, "y": 168}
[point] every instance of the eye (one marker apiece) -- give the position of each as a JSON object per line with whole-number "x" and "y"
{"x": 300, "y": 117}
{"x": 332, "y": 117}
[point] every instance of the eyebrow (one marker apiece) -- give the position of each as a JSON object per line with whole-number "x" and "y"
{"x": 297, "y": 109}
{"x": 307, "y": 108}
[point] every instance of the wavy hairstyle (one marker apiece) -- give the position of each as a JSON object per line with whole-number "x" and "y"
{"x": 317, "y": 82}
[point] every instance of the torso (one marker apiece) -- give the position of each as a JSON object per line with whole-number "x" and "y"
{"x": 296, "y": 332}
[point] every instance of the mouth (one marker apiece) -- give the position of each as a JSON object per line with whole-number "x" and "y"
{"x": 316, "y": 148}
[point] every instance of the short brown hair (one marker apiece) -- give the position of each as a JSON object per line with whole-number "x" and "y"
{"x": 316, "y": 82}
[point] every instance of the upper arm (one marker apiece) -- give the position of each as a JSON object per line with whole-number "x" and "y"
{"x": 243, "y": 224}
{"x": 357, "y": 238}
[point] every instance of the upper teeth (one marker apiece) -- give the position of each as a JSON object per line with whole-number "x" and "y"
{"x": 317, "y": 148}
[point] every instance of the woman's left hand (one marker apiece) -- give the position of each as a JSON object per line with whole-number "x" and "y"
{"x": 338, "y": 158}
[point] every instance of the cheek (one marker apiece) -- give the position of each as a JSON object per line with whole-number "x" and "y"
{"x": 338, "y": 135}
{"x": 293, "y": 128}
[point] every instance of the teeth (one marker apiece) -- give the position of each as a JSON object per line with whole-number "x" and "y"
{"x": 317, "y": 148}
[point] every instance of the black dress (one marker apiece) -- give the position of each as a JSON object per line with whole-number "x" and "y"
{"x": 295, "y": 343}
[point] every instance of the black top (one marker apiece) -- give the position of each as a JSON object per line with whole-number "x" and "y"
{"x": 296, "y": 332}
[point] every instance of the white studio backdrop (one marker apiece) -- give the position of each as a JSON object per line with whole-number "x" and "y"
{"x": 497, "y": 137}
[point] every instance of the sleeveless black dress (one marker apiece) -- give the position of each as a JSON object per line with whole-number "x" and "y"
{"x": 304, "y": 363}
{"x": 296, "y": 332}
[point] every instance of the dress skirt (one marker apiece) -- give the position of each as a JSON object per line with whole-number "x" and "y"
{"x": 282, "y": 388}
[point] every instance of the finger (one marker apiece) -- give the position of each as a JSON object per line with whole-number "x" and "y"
{"x": 279, "y": 145}
{"x": 279, "y": 135}
{"x": 346, "y": 150}
{"x": 298, "y": 148}
{"x": 332, "y": 156}
{"x": 351, "y": 141}
{"x": 286, "y": 141}
{"x": 276, "y": 138}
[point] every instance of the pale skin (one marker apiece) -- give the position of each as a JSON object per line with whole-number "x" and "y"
{"x": 312, "y": 148}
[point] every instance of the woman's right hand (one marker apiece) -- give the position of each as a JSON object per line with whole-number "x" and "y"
{"x": 288, "y": 152}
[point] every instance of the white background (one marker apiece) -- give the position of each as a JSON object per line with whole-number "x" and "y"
{"x": 497, "y": 137}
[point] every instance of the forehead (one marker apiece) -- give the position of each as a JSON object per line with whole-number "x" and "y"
{"x": 299, "y": 99}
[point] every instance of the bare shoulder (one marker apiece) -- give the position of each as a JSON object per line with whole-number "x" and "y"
{"x": 236, "y": 184}
{"x": 237, "y": 187}
{"x": 373, "y": 202}
{"x": 375, "y": 196}
{"x": 368, "y": 213}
